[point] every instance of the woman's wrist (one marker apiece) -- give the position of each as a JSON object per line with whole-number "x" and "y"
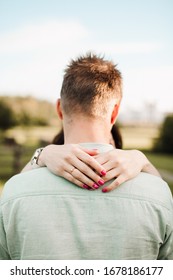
{"x": 147, "y": 166}
{"x": 46, "y": 157}
{"x": 143, "y": 160}
{"x": 42, "y": 157}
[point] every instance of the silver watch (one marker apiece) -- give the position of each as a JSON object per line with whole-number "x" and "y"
{"x": 35, "y": 157}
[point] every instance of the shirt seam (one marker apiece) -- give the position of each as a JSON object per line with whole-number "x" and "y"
{"x": 139, "y": 198}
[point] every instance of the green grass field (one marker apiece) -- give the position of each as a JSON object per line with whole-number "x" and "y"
{"x": 164, "y": 164}
{"x": 138, "y": 137}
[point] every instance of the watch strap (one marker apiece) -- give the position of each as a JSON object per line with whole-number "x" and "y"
{"x": 35, "y": 157}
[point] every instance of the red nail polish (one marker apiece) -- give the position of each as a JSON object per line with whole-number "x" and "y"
{"x": 103, "y": 172}
{"x": 104, "y": 190}
{"x": 101, "y": 182}
{"x": 95, "y": 186}
{"x": 86, "y": 187}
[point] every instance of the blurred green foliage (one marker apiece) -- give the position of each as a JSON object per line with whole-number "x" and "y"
{"x": 164, "y": 143}
{"x": 26, "y": 111}
{"x": 7, "y": 116}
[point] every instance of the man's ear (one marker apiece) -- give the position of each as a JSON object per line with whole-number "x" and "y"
{"x": 115, "y": 113}
{"x": 58, "y": 108}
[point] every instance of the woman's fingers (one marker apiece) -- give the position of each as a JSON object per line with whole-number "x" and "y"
{"x": 111, "y": 187}
{"x": 83, "y": 173}
{"x": 72, "y": 179}
{"x": 77, "y": 182}
{"x": 84, "y": 155}
{"x": 112, "y": 174}
{"x": 81, "y": 167}
{"x": 119, "y": 177}
{"x": 87, "y": 170}
{"x": 62, "y": 159}
{"x": 87, "y": 180}
{"x": 118, "y": 181}
{"x": 103, "y": 157}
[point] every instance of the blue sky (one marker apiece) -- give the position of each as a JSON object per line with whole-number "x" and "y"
{"x": 38, "y": 38}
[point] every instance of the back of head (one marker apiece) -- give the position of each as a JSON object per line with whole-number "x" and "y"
{"x": 91, "y": 86}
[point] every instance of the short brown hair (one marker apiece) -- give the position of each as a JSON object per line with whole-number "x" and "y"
{"x": 90, "y": 83}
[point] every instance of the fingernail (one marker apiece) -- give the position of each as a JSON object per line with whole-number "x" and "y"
{"x": 86, "y": 187}
{"x": 103, "y": 172}
{"x": 101, "y": 182}
{"x": 95, "y": 186}
{"x": 104, "y": 190}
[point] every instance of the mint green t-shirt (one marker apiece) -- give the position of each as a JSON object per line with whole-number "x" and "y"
{"x": 43, "y": 216}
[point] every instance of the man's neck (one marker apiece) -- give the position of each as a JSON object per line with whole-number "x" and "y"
{"x": 85, "y": 131}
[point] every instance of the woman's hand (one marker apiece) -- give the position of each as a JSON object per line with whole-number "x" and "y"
{"x": 74, "y": 163}
{"x": 89, "y": 169}
{"x": 123, "y": 165}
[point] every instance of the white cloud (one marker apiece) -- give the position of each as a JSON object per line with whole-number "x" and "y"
{"x": 54, "y": 34}
{"x": 42, "y": 36}
{"x": 38, "y": 54}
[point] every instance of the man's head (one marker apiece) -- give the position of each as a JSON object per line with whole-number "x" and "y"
{"x": 92, "y": 86}
{"x": 90, "y": 97}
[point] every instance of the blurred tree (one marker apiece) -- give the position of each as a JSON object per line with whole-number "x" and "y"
{"x": 26, "y": 119}
{"x": 7, "y": 117}
{"x": 165, "y": 141}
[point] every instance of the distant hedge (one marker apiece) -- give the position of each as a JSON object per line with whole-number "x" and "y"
{"x": 7, "y": 117}
{"x": 29, "y": 111}
{"x": 165, "y": 141}
{"x": 10, "y": 118}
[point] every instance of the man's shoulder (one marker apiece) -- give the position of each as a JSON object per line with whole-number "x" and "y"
{"x": 147, "y": 187}
{"x": 33, "y": 182}
{"x": 144, "y": 187}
